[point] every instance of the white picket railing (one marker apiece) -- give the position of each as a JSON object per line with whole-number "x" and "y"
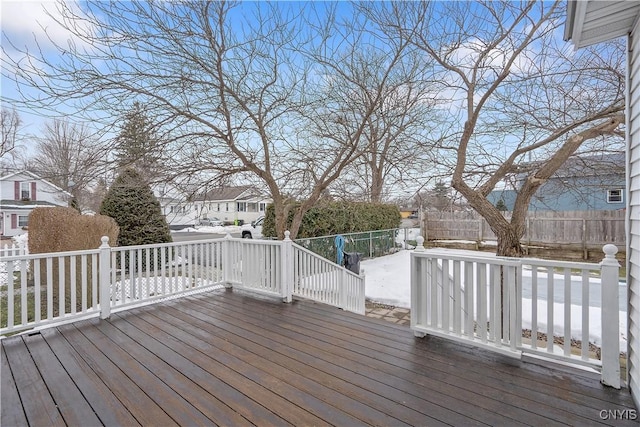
{"x": 480, "y": 299}
{"x": 321, "y": 280}
{"x": 15, "y": 249}
{"x": 40, "y": 289}
{"x": 43, "y": 288}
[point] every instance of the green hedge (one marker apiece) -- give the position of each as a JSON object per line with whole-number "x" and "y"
{"x": 337, "y": 218}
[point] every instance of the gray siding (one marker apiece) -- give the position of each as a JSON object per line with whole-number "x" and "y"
{"x": 633, "y": 249}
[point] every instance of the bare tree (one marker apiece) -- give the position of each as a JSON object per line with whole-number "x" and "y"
{"x": 69, "y": 156}
{"x": 518, "y": 96}
{"x": 236, "y": 88}
{"x": 10, "y": 121}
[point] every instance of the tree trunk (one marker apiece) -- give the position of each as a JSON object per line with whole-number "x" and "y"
{"x": 509, "y": 242}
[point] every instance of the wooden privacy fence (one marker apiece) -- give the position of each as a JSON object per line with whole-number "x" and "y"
{"x": 587, "y": 229}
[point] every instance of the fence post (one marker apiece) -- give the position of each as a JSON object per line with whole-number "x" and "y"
{"x": 370, "y": 244}
{"x": 419, "y": 244}
{"x": 286, "y": 266}
{"x": 585, "y": 252}
{"x": 610, "y": 352}
{"x": 105, "y": 278}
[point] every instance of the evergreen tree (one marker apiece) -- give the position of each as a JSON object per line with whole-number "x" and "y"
{"x": 132, "y": 204}
{"x": 441, "y": 199}
{"x": 501, "y": 206}
{"x": 137, "y": 147}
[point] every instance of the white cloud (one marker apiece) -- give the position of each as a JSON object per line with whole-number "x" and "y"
{"x": 22, "y": 21}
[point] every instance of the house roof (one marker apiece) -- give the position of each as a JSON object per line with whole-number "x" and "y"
{"x": 583, "y": 165}
{"x": 590, "y": 22}
{"x": 25, "y": 204}
{"x": 35, "y": 177}
{"x": 224, "y": 193}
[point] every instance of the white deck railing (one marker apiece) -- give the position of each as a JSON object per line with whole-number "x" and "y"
{"x": 324, "y": 281}
{"x": 512, "y": 305}
{"x": 39, "y": 289}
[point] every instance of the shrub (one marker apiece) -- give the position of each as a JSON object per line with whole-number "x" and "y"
{"x": 136, "y": 210}
{"x": 59, "y": 229}
{"x": 339, "y": 217}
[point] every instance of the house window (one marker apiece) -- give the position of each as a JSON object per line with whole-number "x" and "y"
{"x": 25, "y": 190}
{"x": 218, "y": 207}
{"x": 227, "y": 207}
{"x": 614, "y": 196}
{"x": 23, "y": 220}
{"x": 241, "y": 206}
{"x": 263, "y": 206}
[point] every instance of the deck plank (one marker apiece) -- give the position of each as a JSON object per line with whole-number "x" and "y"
{"x": 304, "y": 379}
{"x": 228, "y": 358}
{"x": 352, "y": 372}
{"x": 70, "y": 402}
{"x": 557, "y": 407}
{"x": 137, "y": 343}
{"x": 107, "y": 407}
{"x": 9, "y": 398}
{"x": 309, "y": 410}
{"x": 172, "y": 403}
{"x": 141, "y": 406}
{"x": 412, "y": 382}
{"x": 581, "y": 389}
{"x": 39, "y": 406}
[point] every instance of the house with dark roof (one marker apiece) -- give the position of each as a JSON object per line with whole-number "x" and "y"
{"x": 20, "y": 193}
{"x": 594, "y": 182}
{"x": 244, "y": 203}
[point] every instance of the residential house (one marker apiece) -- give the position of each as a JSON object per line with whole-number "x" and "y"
{"x": 244, "y": 203}
{"x": 590, "y": 22}
{"x": 595, "y": 182}
{"x": 20, "y": 193}
{"x": 176, "y": 205}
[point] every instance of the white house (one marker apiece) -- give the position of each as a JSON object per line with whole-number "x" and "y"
{"x": 231, "y": 203}
{"x": 20, "y": 193}
{"x": 590, "y": 22}
{"x": 176, "y": 206}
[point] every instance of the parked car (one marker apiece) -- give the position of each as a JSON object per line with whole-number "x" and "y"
{"x": 211, "y": 222}
{"x": 253, "y": 230}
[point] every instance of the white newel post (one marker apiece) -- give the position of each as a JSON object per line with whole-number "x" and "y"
{"x": 610, "y": 318}
{"x": 226, "y": 261}
{"x": 417, "y": 288}
{"x": 105, "y": 278}
{"x": 286, "y": 266}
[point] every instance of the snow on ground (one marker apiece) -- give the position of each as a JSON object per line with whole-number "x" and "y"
{"x": 387, "y": 280}
{"x": 219, "y": 229}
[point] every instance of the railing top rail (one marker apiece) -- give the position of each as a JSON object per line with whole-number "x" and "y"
{"x": 261, "y": 242}
{"x": 559, "y": 264}
{"x": 439, "y": 253}
{"x": 165, "y": 245}
{"x": 430, "y": 253}
{"x": 49, "y": 255}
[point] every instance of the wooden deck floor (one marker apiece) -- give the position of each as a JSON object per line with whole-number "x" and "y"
{"x": 226, "y": 358}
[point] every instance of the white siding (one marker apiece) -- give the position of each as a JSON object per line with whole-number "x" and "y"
{"x": 633, "y": 249}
